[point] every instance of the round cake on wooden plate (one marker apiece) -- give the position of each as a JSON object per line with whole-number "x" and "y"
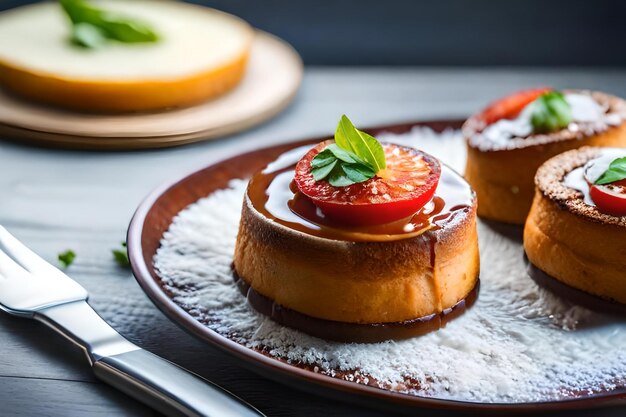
{"x": 512, "y": 137}
{"x": 576, "y": 228}
{"x": 357, "y": 241}
{"x": 199, "y": 54}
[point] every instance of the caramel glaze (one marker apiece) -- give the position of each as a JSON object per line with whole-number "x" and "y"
{"x": 274, "y": 195}
{"x": 352, "y": 332}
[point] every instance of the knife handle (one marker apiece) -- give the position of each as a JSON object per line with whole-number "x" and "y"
{"x": 144, "y": 376}
{"x": 167, "y": 387}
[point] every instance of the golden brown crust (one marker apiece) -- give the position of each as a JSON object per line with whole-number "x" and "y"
{"x": 504, "y": 177}
{"x": 359, "y": 282}
{"x": 123, "y": 96}
{"x": 549, "y": 181}
{"x": 576, "y": 250}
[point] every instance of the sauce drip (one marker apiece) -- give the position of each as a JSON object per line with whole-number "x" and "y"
{"x": 273, "y": 194}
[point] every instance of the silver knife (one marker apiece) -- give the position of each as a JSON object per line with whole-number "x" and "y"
{"x": 32, "y": 288}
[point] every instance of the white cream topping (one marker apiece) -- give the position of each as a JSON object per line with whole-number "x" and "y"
{"x": 505, "y": 129}
{"x": 584, "y": 109}
{"x": 576, "y": 181}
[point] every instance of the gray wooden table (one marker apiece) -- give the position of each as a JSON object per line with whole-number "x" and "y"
{"x": 55, "y": 200}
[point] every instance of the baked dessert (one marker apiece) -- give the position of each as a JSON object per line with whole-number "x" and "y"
{"x": 353, "y": 247}
{"x": 577, "y": 224}
{"x": 512, "y": 137}
{"x": 194, "y": 54}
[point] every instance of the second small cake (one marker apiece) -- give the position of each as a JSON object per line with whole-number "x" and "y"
{"x": 356, "y": 248}
{"x": 190, "y": 54}
{"x": 576, "y": 229}
{"x": 509, "y": 140}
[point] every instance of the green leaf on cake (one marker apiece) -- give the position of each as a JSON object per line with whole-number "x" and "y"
{"x": 93, "y": 26}
{"x": 360, "y": 143}
{"x": 89, "y": 36}
{"x": 358, "y": 172}
{"x": 354, "y": 157}
{"x": 323, "y": 171}
{"x": 323, "y": 158}
{"x": 550, "y": 112}
{"x": 615, "y": 172}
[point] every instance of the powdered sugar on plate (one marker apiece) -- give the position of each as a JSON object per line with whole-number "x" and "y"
{"x": 518, "y": 343}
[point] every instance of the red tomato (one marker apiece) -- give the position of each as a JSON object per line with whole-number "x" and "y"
{"x": 405, "y": 186}
{"x": 510, "y": 106}
{"x": 610, "y": 198}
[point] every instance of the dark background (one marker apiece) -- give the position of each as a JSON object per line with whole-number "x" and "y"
{"x": 440, "y": 32}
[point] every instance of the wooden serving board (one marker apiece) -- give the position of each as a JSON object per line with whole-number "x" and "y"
{"x": 272, "y": 80}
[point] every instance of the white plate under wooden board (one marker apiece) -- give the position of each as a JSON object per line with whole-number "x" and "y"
{"x": 272, "y": 79}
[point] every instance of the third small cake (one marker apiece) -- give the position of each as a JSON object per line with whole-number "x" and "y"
{"x": 576, "y": 229}
{"x": 512, "y": 137}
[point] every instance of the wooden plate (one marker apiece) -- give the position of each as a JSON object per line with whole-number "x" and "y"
{"x": 273, "y": 77}
{"x": 153, "y": 218}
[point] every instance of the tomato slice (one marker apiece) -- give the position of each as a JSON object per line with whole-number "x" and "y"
{"x": 405, "y": 186}
{"x": 610, "y": 198}
{"x": 510, "y": 106}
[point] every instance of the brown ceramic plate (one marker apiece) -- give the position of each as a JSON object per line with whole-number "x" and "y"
{"x": 153, "y": 218}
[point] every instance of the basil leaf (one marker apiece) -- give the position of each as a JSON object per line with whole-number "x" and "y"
{"x": 341, "y": 167}
{"x": 345, "y": 134}
{"x": 121, "y": 256}
{"x": 79, "y": 11}
{"x": 615, "y": 172}
{"x": 125, "y": 30}
{"x": 323, "y": 171}
{"x": 360, "y": 143}
{"x": 373, "y": 148}
{"x": 66, "y": 258}
{"x": 87, "y": 35}
{"x": 345, "y": 156}
{"x": 323, "y": 158}
{"x": 110, "y": 25}
{"x": 354, "y": 157}
{"x": 358, "y": 172}
{"x": 338, "y": 178}
{"x": 550, "y": 112}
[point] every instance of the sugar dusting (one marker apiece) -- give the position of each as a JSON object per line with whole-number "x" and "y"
{"x": 518, "y": 343}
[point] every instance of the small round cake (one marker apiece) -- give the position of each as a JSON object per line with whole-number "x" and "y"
{"x": 512, "y": 137}
{"x": 576, "y": 228}
{"x": 368, "y": 268}
{"x": 200, "y": 53}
